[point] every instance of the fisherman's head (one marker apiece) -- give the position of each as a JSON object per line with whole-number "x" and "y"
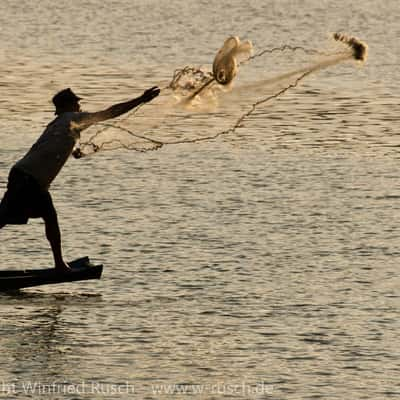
{"x": 66, "y": 101}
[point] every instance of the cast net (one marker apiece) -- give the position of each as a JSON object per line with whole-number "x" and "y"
{"x": 204, "y": 104}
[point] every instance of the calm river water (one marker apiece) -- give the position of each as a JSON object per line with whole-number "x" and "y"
{"x": 265, "y": 267}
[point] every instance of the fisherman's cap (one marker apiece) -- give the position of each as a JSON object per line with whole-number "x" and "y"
{"x": 65, "y": 97}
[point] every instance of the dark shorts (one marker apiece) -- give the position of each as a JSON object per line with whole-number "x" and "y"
{"x": 24, "y": 199}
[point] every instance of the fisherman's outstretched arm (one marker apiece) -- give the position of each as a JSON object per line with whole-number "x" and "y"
{"x": 116, "y": 110}
{"x": 121, "y": 108}
{"x": 88, "y": 119}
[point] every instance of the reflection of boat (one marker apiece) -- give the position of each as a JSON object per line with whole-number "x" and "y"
{"x": 82, "y": 269}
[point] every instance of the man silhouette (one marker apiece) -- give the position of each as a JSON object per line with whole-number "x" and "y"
{"x": 27, "y": 194}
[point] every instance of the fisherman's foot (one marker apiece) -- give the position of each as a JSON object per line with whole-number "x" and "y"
{"x": 63, "y": 268}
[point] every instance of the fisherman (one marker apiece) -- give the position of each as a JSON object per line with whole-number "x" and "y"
{"x": 27, "y": 194}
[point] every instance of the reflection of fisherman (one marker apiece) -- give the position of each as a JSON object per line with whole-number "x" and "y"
{"x": 27, "y": 194}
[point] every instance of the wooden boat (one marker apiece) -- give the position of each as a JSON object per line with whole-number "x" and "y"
{"x": 82, "y": 269}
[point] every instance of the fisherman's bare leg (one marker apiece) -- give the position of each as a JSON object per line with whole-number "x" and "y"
{"x": 2, "y": 221}
{"x": 53, "y": 235}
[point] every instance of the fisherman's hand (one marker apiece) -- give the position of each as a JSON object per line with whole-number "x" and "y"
{"x": 150, "y": 94}
{"x": 77, "y": 153}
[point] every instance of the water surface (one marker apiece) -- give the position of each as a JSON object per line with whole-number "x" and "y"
{"x": 264, "y": 265}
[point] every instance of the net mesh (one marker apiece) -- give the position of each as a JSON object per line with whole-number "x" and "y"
{"x": 201, "y": 104}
